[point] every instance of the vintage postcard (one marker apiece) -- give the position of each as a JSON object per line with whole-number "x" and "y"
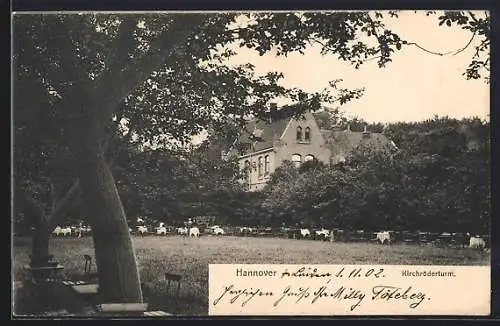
{"x": 251, "y": 163}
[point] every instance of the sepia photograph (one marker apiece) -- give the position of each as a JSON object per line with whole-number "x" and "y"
{"x": 196, "y": 163}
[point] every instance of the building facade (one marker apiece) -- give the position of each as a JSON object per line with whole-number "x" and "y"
{"x": 266, "y": 144}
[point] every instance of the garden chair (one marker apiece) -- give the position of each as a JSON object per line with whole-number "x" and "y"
{"x": 87, "y": 274}
{"x": 171, "y": 278}
{"x": 88, "y": 264}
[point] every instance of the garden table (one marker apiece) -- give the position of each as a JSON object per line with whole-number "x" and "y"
{"x": 41, "y": 272}
{"x": 89, "y": 292}
{"x": 130, "y": 309}
{"x": 44, "y": 280}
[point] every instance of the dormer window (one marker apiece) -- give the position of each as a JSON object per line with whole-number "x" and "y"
{"x": 299, "y": 133}
{"x": 307, "y": 134}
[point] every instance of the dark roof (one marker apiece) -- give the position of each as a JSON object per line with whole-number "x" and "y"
{"x": 263, "y": 133}
{"x": 343, "y": 142}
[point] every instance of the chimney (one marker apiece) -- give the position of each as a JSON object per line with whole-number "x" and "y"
{"x": 366, "y": 133}
{"x": 273, "y": 107}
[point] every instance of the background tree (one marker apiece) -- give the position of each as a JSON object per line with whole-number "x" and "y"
{"x": 335, "y": 119}
{"x": 437, "y": 181}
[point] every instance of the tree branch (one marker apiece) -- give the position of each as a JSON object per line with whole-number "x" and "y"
{"x": 50, "y": 74}
{"x": 71, "y": 65}
{"x": 466, "y": 46}
{"x": 320, "y": 43}
{"x": 428, "y": 51}
{"x": 329, "y": 48}
{"x": 113, "y": 86}
{"x": 373, "y": 27}
{"x": 60, "y": 208}
{"x": 52, "y": 195}
{"x": 31, "y": 207}
{"x": 119, "y": 51}
{"x": 472, "y": 16}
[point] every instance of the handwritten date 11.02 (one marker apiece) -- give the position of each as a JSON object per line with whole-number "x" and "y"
{"x": 309, "y": 272}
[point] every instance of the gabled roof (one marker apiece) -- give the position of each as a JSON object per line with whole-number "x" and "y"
{"x": 343, "y": 142}
{"x": 260, "y": 133}
{"x": 263, "y": 134}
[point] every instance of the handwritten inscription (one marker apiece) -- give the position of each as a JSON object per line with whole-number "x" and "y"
{"x": 345, "y": 289}
{"x": 245, "y": 294}
{"x": 388, "y": 293}
{"x": 339, "y": 293}
{"x": 314, "y": 272}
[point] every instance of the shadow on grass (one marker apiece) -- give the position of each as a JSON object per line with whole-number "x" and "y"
{"x": 57, "y": 300}
{"x": 161, "y": 297}
{"x": 51, "y": 299}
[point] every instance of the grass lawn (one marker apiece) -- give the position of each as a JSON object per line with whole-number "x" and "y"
{"x": 190, "y": 258}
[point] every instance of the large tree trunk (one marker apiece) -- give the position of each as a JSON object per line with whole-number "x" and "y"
{"x": 43, "y": 224}
{"x": 94, "y": 105}
{"x": 40, "y": 244}
{"x": 115, "y": 257}
{"x": 35, "y": 213}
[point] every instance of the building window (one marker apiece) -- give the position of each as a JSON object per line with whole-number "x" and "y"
{"x": 267, "y": 165}
{"x": 247, "y": 170}
{"x": 307, "y": 134}
{"x": 299, "y": 133}
{"x": 260, "y": 166}
{"x": 296, "y": 159}
{"x": 308, "y": 157}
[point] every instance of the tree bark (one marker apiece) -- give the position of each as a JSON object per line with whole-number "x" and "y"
{"x": 117, "y": 269}
{"x": 35, "y": 213}
{"x": 40, "y": 243}
{"x": 45, "y": 224}
{"x": 94, "y": 104}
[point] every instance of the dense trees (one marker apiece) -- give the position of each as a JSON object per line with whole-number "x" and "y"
{"x": 438, "y": 181}
{"x": 173, "y": 185}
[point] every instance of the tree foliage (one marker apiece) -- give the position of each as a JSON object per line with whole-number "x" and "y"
{"x": 479, "y": 26}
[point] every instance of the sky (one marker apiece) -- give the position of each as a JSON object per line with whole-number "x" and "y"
{"x": 415, "y": 86}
